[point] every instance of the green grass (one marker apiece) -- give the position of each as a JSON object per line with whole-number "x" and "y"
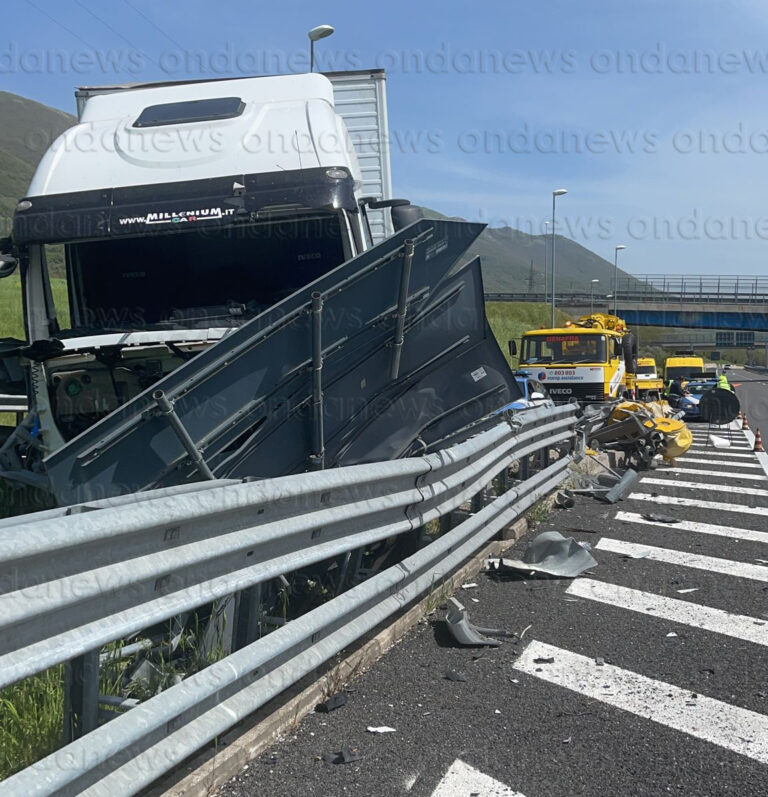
{"x": 509, "y": 320}
{"x": 31, "y": 720}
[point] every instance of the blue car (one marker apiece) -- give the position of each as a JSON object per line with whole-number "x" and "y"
{"x": 534, "y": 395}
{"x": 695, "y": 389}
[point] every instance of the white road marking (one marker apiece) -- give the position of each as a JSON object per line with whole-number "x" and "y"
{"x": 739, "y": 448}
{"x": 717, "y": 506}
{"x": 720, "y": 488}
{"x": 728, "y": 726}
{"x": 717, "y": 452}
{"x": 462, "y": 780}
{"x": 755, "y": 465}
{"x": 695, "y": 526}
{"x": 695, "y": 615}
{"x": 711, "y": 563}
{"x": 760, "y": 477}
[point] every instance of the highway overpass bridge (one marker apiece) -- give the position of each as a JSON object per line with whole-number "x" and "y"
{"x": 712, "y": 302}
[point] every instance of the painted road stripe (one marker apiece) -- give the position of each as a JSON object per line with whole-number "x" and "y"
{"x": 462, "y": 780}
{"x": 737, "y": 729}
{"x": 710, "y": 563}
{"x": 719, "y": 452}
{"x": 720, "y": 488}
{"x": 695, "y": 526}
{"x": 739, "y": 449}
{"x": 755, "y": 465}
{"x": 718, "y": 506}
{"x": 750, "y": 629}
{"x": 760, "y": 477}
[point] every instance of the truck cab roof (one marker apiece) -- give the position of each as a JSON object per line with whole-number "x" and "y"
{"x": 197, "y": 131}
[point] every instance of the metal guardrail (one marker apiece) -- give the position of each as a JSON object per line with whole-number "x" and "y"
{"x": 71, "y": 583}
{"x": 659, "y": 289}
{"x": 694, "y": 289}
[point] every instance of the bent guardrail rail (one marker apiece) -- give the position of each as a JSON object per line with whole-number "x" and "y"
{"x": 71, "y": 583}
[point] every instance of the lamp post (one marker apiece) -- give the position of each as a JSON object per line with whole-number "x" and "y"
{"x": 592, "y": 296}
{"x": 556, "y": 193}
{"x": 616, "y": 275}
{"x": 546, "y": 261}
{"x": 320, "y": 32}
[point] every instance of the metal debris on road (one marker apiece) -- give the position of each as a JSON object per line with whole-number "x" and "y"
{"x": 655, "y": 517}
{"x": 344, "y": 756}
{"x": 470, "y": 585}
{"x": 337, "y": 701}
{"x": 550, "y": 554}
{"x": 380, "y": 729}
{"x": 686, "y": 591}
{"x": 671, "y": 634}
{"x": 457, "y": 620}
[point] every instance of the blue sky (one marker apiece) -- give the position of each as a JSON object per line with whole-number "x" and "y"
{"x": 652, "y": 114}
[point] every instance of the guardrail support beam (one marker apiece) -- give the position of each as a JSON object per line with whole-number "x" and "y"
{"x": 81, "y": 695}
{"x": 409, "y": 247}
{"x": 317, "y": 457}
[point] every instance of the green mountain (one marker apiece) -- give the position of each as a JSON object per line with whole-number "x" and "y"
{"x": 513, "y": 262}
{"x": 27, "y": 128}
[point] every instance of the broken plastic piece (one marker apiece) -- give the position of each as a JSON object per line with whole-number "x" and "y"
{"x": 344, "y": 756}
{"x": 550, "y": 554}
{"x": 337, "y": 701}
{"x": 544, "y": 660}
{"x": 565, "y": 499}
{"x": 457, "y": 619}
{"x": 380, "y": 729}
{"x": 671, "y": 634}
{"x": 452, "y": 675}
{"x": 719, "y": 442}
{"x": 655, "y": 517}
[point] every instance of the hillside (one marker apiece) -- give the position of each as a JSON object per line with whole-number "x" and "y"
{"x": 26, "y": 131}
{"x": 506, "y": 253}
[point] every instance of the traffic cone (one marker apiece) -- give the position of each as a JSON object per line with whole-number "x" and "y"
{"x": 758, "y": 443}
{"x": 745, "y": 423}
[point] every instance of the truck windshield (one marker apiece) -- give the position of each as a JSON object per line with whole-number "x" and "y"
{"x": 206, "y": 277}
{"x": 572, "y": 349}
{"x": 681, "y": 372}
{"x": 646, "y": 369}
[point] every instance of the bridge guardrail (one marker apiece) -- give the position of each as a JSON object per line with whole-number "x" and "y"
{"x": 71, "y": 583}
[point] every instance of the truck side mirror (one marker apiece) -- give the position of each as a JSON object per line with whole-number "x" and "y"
{"x": 512, "y": 346}
{"x": 8, "y": 265}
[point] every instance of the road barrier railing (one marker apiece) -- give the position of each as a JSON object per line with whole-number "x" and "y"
{"x": 72, "y": 583}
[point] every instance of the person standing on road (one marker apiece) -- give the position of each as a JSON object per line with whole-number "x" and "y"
{"x": 674, "y": 392}
{"x": 723, "y": 383}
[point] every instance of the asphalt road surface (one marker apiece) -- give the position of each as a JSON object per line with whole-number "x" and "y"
{"x": 752, "y": 390}
{"x": 646, "y": 676}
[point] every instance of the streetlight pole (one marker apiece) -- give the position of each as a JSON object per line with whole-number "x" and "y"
{"x": 546, "y": 261}
{"x": 320, "y": 32}
{"x": 556, "y": 193}
{"x": 592, "y": 296}
{"x": 616, "y": 276}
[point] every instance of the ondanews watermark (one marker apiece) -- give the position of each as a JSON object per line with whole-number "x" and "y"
{"x": 445, "y": 58}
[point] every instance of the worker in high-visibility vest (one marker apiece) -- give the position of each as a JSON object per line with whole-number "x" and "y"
{"x": 674, "y": 392}
{"x": 723, "y": 383}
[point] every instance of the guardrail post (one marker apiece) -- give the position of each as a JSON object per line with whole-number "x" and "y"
{"x": 81, "y": 695}
{"x": 247, "y": 622}
{"x": 409, "y": 247}
{"x": 317, "y": 457}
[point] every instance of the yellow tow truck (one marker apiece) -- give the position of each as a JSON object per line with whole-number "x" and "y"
{"x": 591, "y": 359}
{"x": 648, "y": 378}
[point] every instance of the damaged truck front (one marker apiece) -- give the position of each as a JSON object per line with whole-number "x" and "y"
{"x": 231, "y": 310}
